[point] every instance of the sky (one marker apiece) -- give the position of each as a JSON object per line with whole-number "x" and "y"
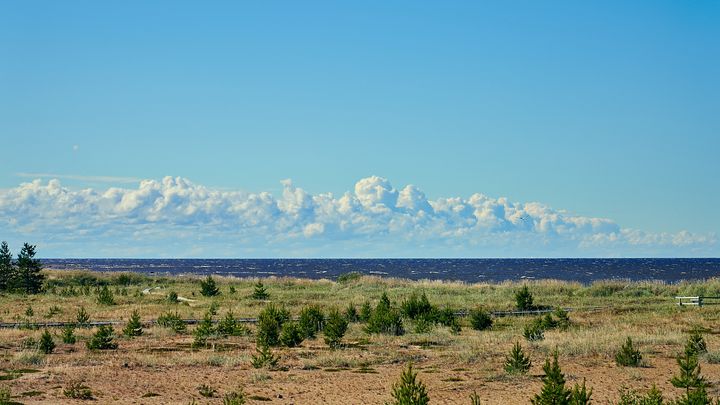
{"x": 360, "y": 129}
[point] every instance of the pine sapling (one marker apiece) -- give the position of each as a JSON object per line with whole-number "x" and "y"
{"x": 47, "y": 345}
{"x": 260, "y": 292}
{"x": 134, "y": 326}
{"x": 409, "y": 391}
{"x": 553, "y": 390}
{"x": 517, "y": 362}
{"x": 628, "y": 356}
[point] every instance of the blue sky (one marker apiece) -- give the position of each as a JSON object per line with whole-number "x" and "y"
{"x": 594, "y": 110}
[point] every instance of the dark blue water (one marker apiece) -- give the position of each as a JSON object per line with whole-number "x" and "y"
{"x": 469, "y": 270}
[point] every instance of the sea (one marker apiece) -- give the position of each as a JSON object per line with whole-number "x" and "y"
{"x": 467, "y": 270}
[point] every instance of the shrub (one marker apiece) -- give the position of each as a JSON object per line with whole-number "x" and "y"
{"x": 548, "y": 322}
{"x": 350, "y": 277}
{"x": 630, "y": 397}
{"x": 385, "y": 319}
{"x": 5, "y": 395}
{"x": 203, "y": 331}
{"x": 231, "y": 289}
{"x": 524, "y": 299}
{"x": 103, "y": 339}
{"x": 534, "y": 331}
{"x": 696, "y": 343}
{"x": 580, "y": 395}
{"x": 82, "y": 317}
{"x": 206, "y": 391}
{"x": 134, "y": 326}
{"x": 417, "y": 306}
{"x": 628, "y": 356}
{"x": 52, "y": 311}
{"x": 260, "y": 292}
{"x": 172, "y": 297}
{"x": 517, "y": 362}
{"x": 29, "y": 312}
{"x": 312, "y": 321}
{"x": 291, "y": 335}
{"x": 269, "y": 324}
{"x": 553, "y": 390}
{"x": 208, "y": 287}
{"x": 689, "y": 378}
{"x": 335, "y": 328}
{"x": 47, "y": 345}
{"x": 68, "y": 335}
{"x": 105, "y": 296}
{"x": 77, "y": 390}
{"x": 409, "y": 391}
{"x": 480, "y": 319}
{"x": 351, "y": 313}
{"x": 229, "y": 326}
{"x": 235, "y": 398}
{"x": 365, "y": 311}
{"x": 172, "y": 321}
{"x": 264, "y": 358}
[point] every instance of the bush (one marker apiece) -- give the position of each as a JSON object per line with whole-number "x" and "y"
{"x": 105, "y": 296}
{"x": 696, "y": 343}
{"x": 134, "y": 326}
{"x": 82, "y": 317}
{"x": 206, "y": 391}
{"x": 385, "y": 319}
{"x": 68, "y": 335}
{"x": 47, "y": 345}
{"x": 417, "y": 306}
{"x": 208, "y": 287}
{"x": 628, "y": 356}
{"x": 103, "y": 339}
{"x": 269, "y": 325}
{"x": 172, "y": 321}
{"x": 365, "y": 312}
{"x": 203, "y": 331}
{"x": 534, "y": 331}
{"x": 229, "y": 326}
{"x": 264, "y": 358}
{"x": 516, "y": 362}
{"x": 312, "y": 321}
{"x": 78, "y": 390}
{"x": 335, "y": 328}
{"x": 351, "y": 313}
{"x": 235, "y": 398}
{"x": 480, "y": 319}
{"x": 524, "y": 299}
{"x": 291, "y": 335}
{"x": 409, "y": 391}
{"x": 629, "y": 397}
{"x": 260, "y": 292}
{"x": 350, "y": 277}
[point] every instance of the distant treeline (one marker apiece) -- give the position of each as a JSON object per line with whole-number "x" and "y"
{"x": 23, "y": 274}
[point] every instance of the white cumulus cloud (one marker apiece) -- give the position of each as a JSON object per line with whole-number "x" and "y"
{"x": 176, "y": 217}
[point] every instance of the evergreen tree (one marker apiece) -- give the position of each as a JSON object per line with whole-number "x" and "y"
{"x": 517, "y": 362}
{"x": 47, "y": 345}
{"x": 689, "y": 378}
{"x": 291, "y": 335}
{"x": 351, "y": 313}
{"x": 269, "y": 325}
{"x": 553, "y": 390}
{"x": 312, "y": 321}
{"x": 68, "y": 335}
{"x": 7, "y": 270}
{"x": 580, "y": 395}
{"x": 134, "y": 326}
{"x": 229, "y": 326}
{"x": 105, "y": 296}
{"x": 82, "y": 317}
{"x": 260, "y": 292}
{"x": 628, "y": 356}
{"x": 203, "y": 331}
{"x": 696, "y": 342}
{"x": 408, "y": 391}
{"x": 524, "y": 299}
{"x": 365, "y": 311}
{"x": 264, "y": 357}
{"x": 335, "y": 328}
{"x": 103, "y": 339}
{"x": 29, "y": 277}
{"x": 480, "y": 319}
{"x": 208, "y": 287}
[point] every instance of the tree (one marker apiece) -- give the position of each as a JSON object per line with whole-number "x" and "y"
{"x": 208, "y": 288}
{"x": 312, "y": 321}
{"x": 517, "y": 362}
{"x": 553, "y": 390}
{"x": 203, "y": 331}
{"x": 335, "y": 328}
{"x": 47, "y": 345}
{"x": 408, "y": 391}
{"x": 105, "y": 296}
{"x": 103, "y": 339}
{"x": 524, "y": 299}
{"x": 7, "y": 270}
{"x": 628, "y": 356}
{"x": 29, "y": 277}
{"x": 696, "y": 342}
{"x": 580, "y": 395}
{"x": 480, "y": 319}
{"x": 134, "y": 326}
{"x": 260, "y": 292}
{"x": 689, "y": 378}
{"x": 291, "y": 335}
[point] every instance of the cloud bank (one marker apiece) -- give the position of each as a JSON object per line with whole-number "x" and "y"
{"x": 174, "y": 217}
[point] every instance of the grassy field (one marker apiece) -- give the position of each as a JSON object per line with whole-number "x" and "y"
{"x": 161, "y": 366}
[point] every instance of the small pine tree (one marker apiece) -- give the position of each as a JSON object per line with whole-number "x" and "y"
{"x": 47, "y": 345}
{"x": 103, "y": 339}
{"x": 291, "y": 335}
{"x": 29, "y": 277}
{"x": 312, "y": 321}
{"x": 208, "y": 287}
{"x": 29, "y": 311}
{"x": 7, "y": 269}
{"x": 534, "y": 331}
{"x": 264, "y": 358}
{"x": 229, "y": 326}
{"x": 553, "y": 390}
{"x": 82, "y": 317}
{"x": 409, "y": 391}
{"x": 480, "y": 319}
{"x": 563, "y": 320}
{"x": 628, "y": 356}
{"x": 269, "y": 325}
{"x": 689, "y": 378}
{"x": 134, "y": 326}
{"x": 105, "y": 296}
{"x": 696, "y": 342}
{"x": 524, "y": 299}
{"x": 203, "y": 331}
{"x": 365, "y": 311}
{"x": 68, "y": 335}
{"x": 351, "y": 313}
{"x": 580, "y": 395}
{"x": 260, "y": 292}
{"x": 335, "y": 328}
{"x": 517, "y": 362}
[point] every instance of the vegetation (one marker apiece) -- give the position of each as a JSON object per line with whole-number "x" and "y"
{"x": 409, "y": 391}
{"x": 134, "y": 327}
{"x": 385, "y": 319}
{"x": 105, "y": 296}
{"x": 47, "y": 345}
{"x": 204, "y": 330}
{"x": 103, "y": 339}
{"x": 690, "y": 379}
{"x": 291, "y": 335}
{"x": 269, "y": 325}
{"x": 68, "y": 335}
{"x": 628, "y": 355}
{"x": 517, "y": 362}
{"x": 554, "y": 391}
{"x": 335, "y": 328}
{"x": 22, "y": 275}
{"x": 208, "y": 287}
{"x": 264, "y": 358}
{"x": 260, "y": 292}
{"x": 480, "y": 319}
{"x": 78, "y": 390}
{"x": 82, "y": 317}
{"x": 524, "y": 299}
{"x": 312, "y": 321}
{"x": 229, "y": 326}
{"x": 173, "y": 321}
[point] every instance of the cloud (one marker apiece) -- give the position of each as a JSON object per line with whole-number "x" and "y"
{"x": 176, "y": 217}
